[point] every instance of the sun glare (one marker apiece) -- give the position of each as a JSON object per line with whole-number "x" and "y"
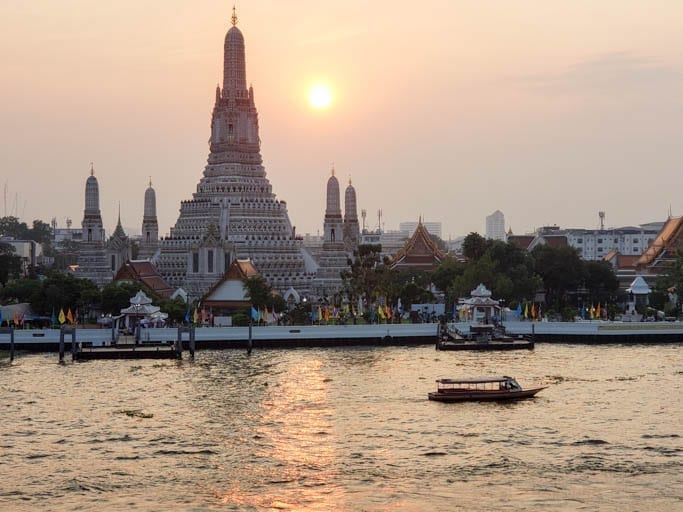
{"x": 320, "y": 97}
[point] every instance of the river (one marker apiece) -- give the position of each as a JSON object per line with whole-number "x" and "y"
{"x": 344, "y": 429}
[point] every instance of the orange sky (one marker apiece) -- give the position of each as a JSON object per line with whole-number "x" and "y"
{"x": 547, "y": 110}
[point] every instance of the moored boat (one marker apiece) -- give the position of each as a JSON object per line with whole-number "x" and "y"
{"x": 480, "y": 389}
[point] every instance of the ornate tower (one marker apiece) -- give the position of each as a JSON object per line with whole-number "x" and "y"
{"x": 333, "y": 218}
{"x": 351, "y": 227}
{"x": 150, "y": 226}
{"x": 118, "y": 247}
{"x": 332, "y": 259}
{"x": 234, "y": 212}
{"x": 92, "y": 260}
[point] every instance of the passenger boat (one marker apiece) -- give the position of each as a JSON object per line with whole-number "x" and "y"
{"x": 479, "y": 389}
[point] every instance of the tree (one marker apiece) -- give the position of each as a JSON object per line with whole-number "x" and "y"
{"x": 116, "y": 296}
{"x": 561, "y": 269}
{"x": 12, "y": 227}
{"x": 601, "y": 281}
{"x": 10, "y": 264}
{"x": 474, "y": 246}
{"x": 444, "y": 275}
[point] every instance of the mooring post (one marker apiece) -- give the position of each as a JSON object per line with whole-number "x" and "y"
{"x": 73, "y": 343}
{"x": 251, "y": 321}
{"x": 192, "y": 343}
{"x": 61, "y": 345}
{"x": 179, "y": 341}
{"x": 11, "y": 344}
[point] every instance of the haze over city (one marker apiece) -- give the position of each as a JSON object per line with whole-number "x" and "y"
{"x": 549, "y": 111}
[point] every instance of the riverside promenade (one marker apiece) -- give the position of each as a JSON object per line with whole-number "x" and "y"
{"x": 588, "y": 332}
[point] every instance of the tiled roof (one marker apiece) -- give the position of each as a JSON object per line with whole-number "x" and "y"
{"x": 143, "y": 272}
{"x": 669, "y": 238}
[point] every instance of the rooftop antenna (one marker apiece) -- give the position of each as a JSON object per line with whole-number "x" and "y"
{"x": 602, "y": 220}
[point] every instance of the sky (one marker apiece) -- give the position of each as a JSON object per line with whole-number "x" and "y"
{"x": 547, "y": 110}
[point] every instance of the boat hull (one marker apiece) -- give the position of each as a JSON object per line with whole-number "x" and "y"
{"x": 482, "y": 396}
{"x": 461, "y": 344}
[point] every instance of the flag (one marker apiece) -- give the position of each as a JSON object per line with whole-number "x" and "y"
{"x": 203, "y": 315}
{"x": 62, "y": 318}
{"x": 76, "y": 317}
{"x": 187, "y": 315}
{"x": 380, "y": 312}
{"x": 540, "y": 314}
{"x": 70, "y": 317}
{"x": 16, "y": 317}
{"x": 388, "y": 312}
{"x": 592, "y": 312}
{"x": 583, "y": 311}
{"x": 22, "y": 319}
{"x": 254, "y": 314}
{"x": 53, "y": 314}
{"x": 195, "y": 316}
{"x": 597, "y": 311}
{"x": 526, "y": 310}
{"x": 518, "y": 311}
{"x": 533, "y": 310}
{"x": 327, "y": 314}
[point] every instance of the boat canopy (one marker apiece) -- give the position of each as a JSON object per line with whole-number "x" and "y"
{"x": 474, "y": 380}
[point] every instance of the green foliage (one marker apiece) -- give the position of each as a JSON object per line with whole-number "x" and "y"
{"x": 116, "y": 296}
{"x": 175, "y": 308}
{"x": 474, "y": 246}
{"x": 10, "y": 264}
{"x": 561, "y": 270}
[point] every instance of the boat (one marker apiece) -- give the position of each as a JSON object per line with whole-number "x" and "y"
{"x": 480, "y": 389}
{"x": 480, "y": 337}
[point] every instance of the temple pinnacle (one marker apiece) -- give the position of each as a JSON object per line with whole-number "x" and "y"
{"x": 92, "y": 169}
{"x": 234, "y": 16}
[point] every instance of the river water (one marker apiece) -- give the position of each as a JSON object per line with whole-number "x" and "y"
{"x": 344, "y": 429}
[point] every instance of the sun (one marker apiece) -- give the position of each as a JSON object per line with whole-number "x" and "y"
{"x": 320, "y": 97}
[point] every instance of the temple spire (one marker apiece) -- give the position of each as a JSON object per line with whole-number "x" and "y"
{"x": 234, "y": 16}
{"x": 92, "y": 169}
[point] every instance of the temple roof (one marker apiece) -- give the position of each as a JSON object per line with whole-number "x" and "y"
{"x": 143, "y": 272}
{"x": 666, "y": 245}
{"x": 419, "y": 252}
{"x": 230, "y": 288}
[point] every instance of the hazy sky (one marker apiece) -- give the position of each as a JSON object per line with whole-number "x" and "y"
{"x": 547, "y": 110}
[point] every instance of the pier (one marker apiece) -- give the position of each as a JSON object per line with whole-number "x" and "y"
{"x": 596, "y": 332}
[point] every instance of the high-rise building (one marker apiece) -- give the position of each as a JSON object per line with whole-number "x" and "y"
{"x": 495, "y": 226}
{"x": 234, "y": 212}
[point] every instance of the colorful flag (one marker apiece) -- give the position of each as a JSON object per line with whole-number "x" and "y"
{"x": 592, "y": 312}
{"x": 583, "y": 311}
{"x": 380, "y": 312}
{"x": 533, "y": 310}
{"x": 187, "y": 315}
{"x": 53, "y": 312}
{"x": 195, "y": 316}
{"x": 70, "y": 317}
{"x": 76, "y": 317}
{"x": 16, "y": 317}
{"x": 598, "y": 311}
{"x": 526, "y": 310}
{"x": 254, "y": 314}
{"x": 61, "y": 317}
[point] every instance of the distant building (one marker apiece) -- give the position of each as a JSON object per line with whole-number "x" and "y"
{"x": 495, "y": 226}
{"x": 149, "y": 241}
{"x": 409, "y": 227}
